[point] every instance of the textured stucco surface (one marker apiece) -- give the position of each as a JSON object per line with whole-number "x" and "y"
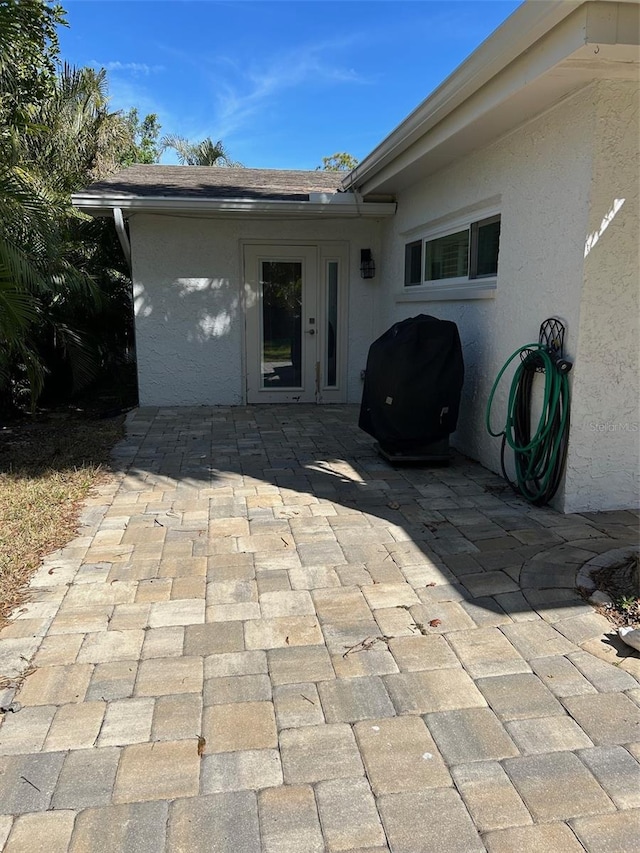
{"x": 541, "y": 172}
{"x": 604, "y": 460}
{"x": 187, "y": 280}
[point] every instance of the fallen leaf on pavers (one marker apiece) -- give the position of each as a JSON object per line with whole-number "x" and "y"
{"x": 435, "y": 622}
{"x": 159, "y": 523}
{"x": 433, "y": 583}
{"x": 393, "y": 505}
{"x": 286, "y": 639}
{"x": 51, "y": 571}
{"x": 201, "y": 744}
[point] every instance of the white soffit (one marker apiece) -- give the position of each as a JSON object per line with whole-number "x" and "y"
{"x": 542, "y": 53}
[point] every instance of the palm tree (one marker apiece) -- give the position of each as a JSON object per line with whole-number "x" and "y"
{"x": 38, "y": 283}
{"x": 22, "y": 215}
{"x": 56, "y": 135}
{"x": 83, "y": 139}
{"x": 27, "y": 46}
{"x": 205, "y": 153}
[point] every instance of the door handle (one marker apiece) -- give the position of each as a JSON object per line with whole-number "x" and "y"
{"x": 311, "y": 331}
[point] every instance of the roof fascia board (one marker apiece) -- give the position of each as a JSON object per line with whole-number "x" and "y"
{"x": 511, "y": 40}
{"x": 102, "y": 205}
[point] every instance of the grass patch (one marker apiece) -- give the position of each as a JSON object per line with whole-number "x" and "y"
{"x": 277, "y": 351}
{"x": 47, "y": 468}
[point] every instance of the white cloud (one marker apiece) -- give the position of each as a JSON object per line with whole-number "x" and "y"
{"x": 240, "y": 91}
{"x": 132, "y": 67}
{"x": 254, "y": 89}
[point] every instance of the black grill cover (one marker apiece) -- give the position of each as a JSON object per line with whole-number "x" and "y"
{"x": 412, "y": 385}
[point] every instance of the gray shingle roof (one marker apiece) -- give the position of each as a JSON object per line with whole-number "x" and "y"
{"x": 215, "y": 182}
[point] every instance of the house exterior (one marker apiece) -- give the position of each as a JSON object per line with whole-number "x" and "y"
{"x": 510, "y": 195}
{"x": 200, "y": 240}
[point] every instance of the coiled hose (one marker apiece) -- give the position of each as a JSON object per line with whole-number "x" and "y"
{"x": 539, "y": 458}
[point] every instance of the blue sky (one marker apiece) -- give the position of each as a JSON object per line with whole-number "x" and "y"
{"x": 282, "y": 82}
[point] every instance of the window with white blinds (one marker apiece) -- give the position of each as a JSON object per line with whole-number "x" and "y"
{"x": 458, "y": 256}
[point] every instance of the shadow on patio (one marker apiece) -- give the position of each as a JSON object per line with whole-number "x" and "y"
{"x": 322, "y": 510}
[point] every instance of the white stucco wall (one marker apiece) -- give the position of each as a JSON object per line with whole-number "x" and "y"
{"x": 541, "y": 172}
{"x": 187, "y": 279}
{"x": 603, "y": 466}
{"x": 557, "y": 178}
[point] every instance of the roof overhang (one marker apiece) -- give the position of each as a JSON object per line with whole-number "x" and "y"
{"x": 543, "y": 53}
{"x": 320, "y": 205}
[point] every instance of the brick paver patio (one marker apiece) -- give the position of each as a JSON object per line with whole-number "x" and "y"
{"x": 266, "y": 640}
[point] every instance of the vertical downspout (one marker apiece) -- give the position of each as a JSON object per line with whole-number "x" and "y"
{"x": 122, "y": 234}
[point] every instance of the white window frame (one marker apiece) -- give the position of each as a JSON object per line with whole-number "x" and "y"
{"x": 462, "y": 287}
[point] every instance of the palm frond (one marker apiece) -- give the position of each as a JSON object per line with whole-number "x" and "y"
{"x": 204, "y": 153}
{"x": 79, "y": 353}
{"x": 18, "y": 308}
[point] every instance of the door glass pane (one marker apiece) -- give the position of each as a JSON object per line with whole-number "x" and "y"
{"x": 281, "y": 324}
{"x": 332, "y": 325}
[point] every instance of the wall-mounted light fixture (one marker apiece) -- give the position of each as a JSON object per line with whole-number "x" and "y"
{"x": 367, "y": 265}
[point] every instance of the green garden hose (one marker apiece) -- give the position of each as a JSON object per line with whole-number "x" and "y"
{"x": 539, "y": 458}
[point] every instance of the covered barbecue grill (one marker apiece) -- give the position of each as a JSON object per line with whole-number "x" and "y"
{"x": 412, "y": 389}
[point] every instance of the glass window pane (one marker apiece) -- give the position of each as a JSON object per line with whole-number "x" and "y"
{"x": 488, "y": 245}
{"x": 447, "y": 257}
{"x": 413, "y": 263}
{"x": 281, "y": 324}
{"x": 332, "y": 325}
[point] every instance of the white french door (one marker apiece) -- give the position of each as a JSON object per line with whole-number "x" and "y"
{"x": 295, "y": 299}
